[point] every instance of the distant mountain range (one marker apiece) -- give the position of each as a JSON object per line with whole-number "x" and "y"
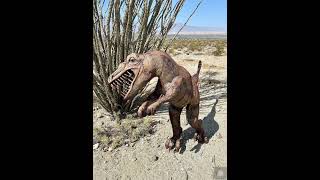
{"x": 196, "y": 30}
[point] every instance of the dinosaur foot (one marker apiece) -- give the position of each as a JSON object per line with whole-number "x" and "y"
{"x": 173, "y": 144}
{"x": 200, "y": 138}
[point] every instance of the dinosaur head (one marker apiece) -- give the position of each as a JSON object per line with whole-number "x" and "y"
{"x": 131, "y": 76}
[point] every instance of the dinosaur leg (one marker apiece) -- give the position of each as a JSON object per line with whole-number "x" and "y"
{"x": 192, "y": 112}
{"x": 174, "y": 113}
{"x": 142, "y": 109}
{"x": 172, "y": 89}
{"x": 151, "y": 99}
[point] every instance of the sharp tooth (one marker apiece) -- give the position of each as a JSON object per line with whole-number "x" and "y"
{"x": 112, "y": 86}
{"x": 119, "y": 82}
{"x": 128, "y": 76}
{"x": 123, "y": 78}
{"x": 125, "y": 82}
{"x": 114, "y": 81}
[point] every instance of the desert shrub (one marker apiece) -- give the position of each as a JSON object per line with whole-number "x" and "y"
{"x": 176, "y": 53}
{"x": 199, "y": 45}
{"x": 198, "y": 53}
{"x": 208, "y": 66}
{"x": 195, "y": 45}
{"x": 171, "y": 51}
{"x": 129, "y": 131}
{"x": 188, "y": 60}
{"x": 219, "y": 48}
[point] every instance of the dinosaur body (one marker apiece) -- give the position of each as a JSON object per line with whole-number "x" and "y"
{"x": 175, "y": 85}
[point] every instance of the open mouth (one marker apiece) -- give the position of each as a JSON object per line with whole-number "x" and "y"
{"x": 123, "y": 82}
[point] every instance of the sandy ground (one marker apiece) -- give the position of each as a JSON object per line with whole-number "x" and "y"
{"x": 148, "y": 158}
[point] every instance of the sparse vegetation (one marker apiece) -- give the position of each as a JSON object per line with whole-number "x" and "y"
{"x": 208, "y": 66}
{"x": 129, "y": 131}
{"x": 197, "y": 46}
{"x": 219, "y": 45}
{"x": 208, "y": 79}
{"x": 189, "y": 60}
{"x": 171, "y": 51}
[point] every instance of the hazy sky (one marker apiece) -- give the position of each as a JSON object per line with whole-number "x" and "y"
{"x": 211, "y": 13}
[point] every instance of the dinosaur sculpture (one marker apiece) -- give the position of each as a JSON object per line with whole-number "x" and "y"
{"x": 175, "y": 85}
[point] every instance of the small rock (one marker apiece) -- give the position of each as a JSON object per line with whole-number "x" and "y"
{"x": 158, "y": 145}
{"x": 155, "y": 158}
{"x": 96, "y": 146}
{"x": 134, "y": 159}
{"x": 100, "y": 116}
{"x": 132, "y": 144}
{"x": 110, "y": 149}
{"x": 127, "y": 141}
{"x": 127, "y": 145}
{"x": 105, "y": 162}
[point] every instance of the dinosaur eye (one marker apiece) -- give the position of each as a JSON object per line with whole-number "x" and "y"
{"x": 131, "y": 60}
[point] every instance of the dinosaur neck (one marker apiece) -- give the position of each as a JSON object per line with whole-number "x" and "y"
{"x": 166, "y": 70}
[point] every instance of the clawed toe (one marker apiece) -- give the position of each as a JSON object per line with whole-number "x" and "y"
{"x": 206, "y": 140}
{"x": 173, "y": 144}
{"x": 177, "y": 145}
{"x": 201, "y": 139}
{"x": 169, "y": 144}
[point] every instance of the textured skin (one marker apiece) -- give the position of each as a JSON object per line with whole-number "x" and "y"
{"x": 175, "y": 85}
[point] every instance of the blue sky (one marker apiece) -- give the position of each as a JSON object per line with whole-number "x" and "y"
{"x": 212, "y": 13}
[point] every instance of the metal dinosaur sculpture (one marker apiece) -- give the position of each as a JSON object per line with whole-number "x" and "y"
{"x": 175, "y": 85}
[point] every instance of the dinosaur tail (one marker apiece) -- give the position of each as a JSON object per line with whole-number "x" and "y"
{"x": 195, "y": 77}
{"x": 199, "y": 67}
{"x": 196, "y": 84}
